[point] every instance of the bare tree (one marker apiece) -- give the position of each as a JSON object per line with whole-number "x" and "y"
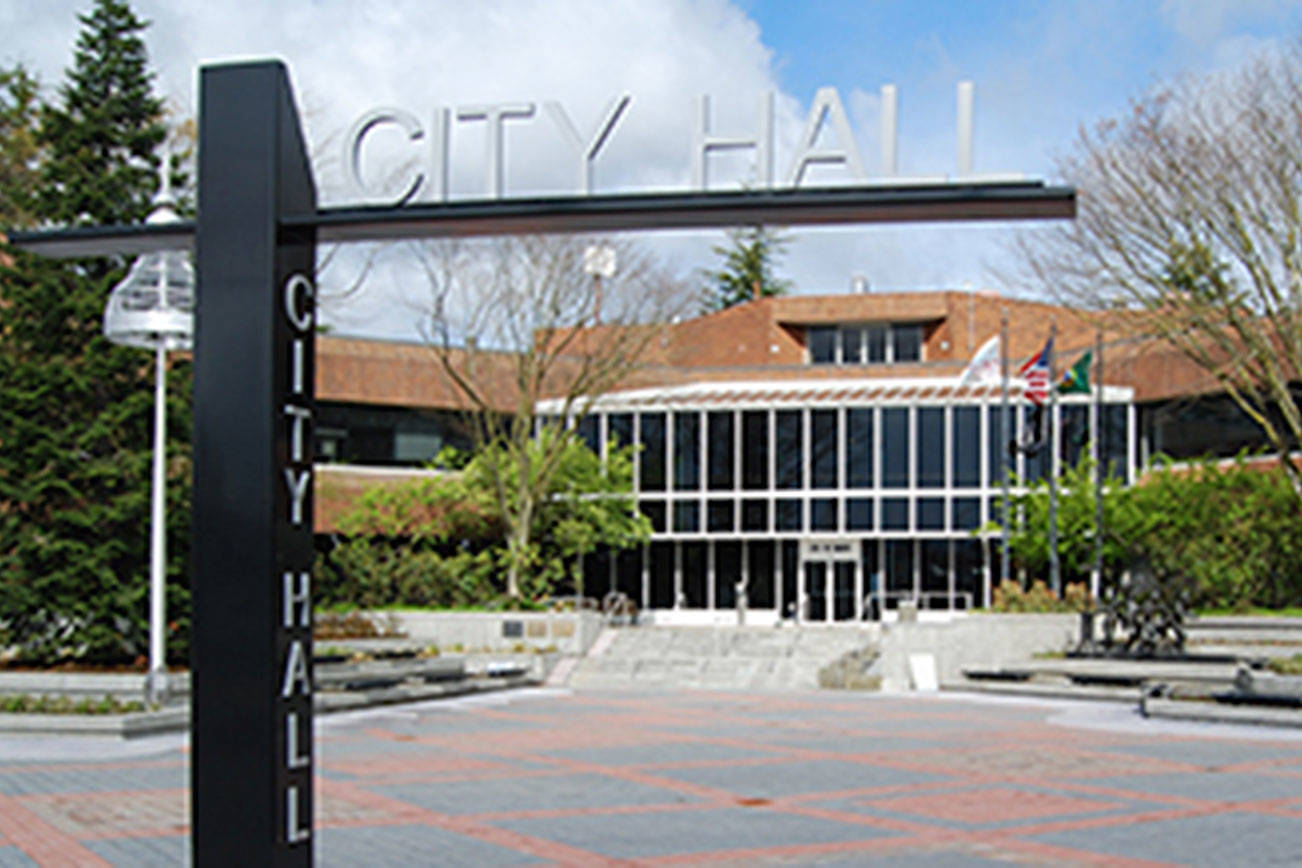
{"x": 516, "y": 320}
{"x": 1190, "y": 229}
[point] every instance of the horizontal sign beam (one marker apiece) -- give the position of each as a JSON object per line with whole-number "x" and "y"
{"x": 826, "y": 206}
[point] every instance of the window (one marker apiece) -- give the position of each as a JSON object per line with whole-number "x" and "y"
{"x": 727, "y": 572}
{"x": 1074, "y": 439}
{"x": 851, "y": 346}
{"x": 859, "y": 513}
{"x": 790, "y": 448}
{"x": 759, "y": 585}
{"x": 652, "y": 455}
{"x": 687, "y": 451}
{"x": 822, "y": 447}
{"x": 872, "y": 344}
{"x": 788, "y": 515}
{"x": 621, "y": 428}
{"x": 859, "y": 448}
{"x": 719, "y": 516}
{"x": 822, "y": 513}
{"x": 906, "y": 342}
{"x": 720, "y": 440}
{"x": 755, "y": 450}
{"x": 895, "y": 447}
{"x": 687, "y": 516}
{"x": 967, "y": 447}
{"x": 931, "y": 447}
{"x": 654, "y": 510}
{"x": 966, "y": 513}
{"x": 999, "y": 455}
{"x": 931, "y": 513}
{"x": 875, "y": 344}
{"x": 1114, "y": 440}
{"x": 693, "y": 563}
{"x": 822, "y": 345}
{"x": 662, "y": 575}
{"x": 755, "y": 515}
{"x": 895, "y": 513}
{"x": 589, "y": 429}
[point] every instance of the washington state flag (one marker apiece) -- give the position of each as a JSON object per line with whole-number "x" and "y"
{"x": 1077, "y": 377}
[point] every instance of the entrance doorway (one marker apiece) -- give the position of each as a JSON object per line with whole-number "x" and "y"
{"x": 832, "y": 582}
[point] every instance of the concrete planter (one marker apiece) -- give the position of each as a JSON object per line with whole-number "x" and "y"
{"x": 569, "y": 633}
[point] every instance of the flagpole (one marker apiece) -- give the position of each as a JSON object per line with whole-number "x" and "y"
{"x": 1005, "y": 436}
{"x": 1097, "y": 579}
{"x": 1055, "y": 570}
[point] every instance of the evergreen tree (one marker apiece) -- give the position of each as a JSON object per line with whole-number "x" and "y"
{"x": 748, "y": 267}
{"x": 103, "y": 136}
{"x": 76, "y": 410}
{"x": 18, "y": 148}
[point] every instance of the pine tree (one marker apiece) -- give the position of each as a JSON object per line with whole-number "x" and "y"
{"x": 76, "y": 410}
{"x": 18, "y": 148}
{"x": 103, "y": 137}
{"x": 748, "y": 267}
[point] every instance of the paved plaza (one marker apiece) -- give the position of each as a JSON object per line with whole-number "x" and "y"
{"x": 588, "y": 778}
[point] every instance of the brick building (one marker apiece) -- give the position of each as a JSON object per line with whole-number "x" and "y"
{"x": 816, "y": 450}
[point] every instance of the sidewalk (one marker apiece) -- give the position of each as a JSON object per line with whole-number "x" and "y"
{"x": 592, "y": 778}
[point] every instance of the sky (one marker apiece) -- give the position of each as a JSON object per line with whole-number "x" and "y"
{"x": 1041, "y": 71}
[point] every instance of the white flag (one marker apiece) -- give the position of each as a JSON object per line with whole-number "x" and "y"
{"x": 983, "y": 370}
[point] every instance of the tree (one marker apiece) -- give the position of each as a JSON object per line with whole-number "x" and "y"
{"x": 509, "y": 323}
{"x": 104, "y": 133}
{"x": 441, "y": 541}
{"x": 18, "y": 147}
{"x": 1189, "y": 226}
{"x": 75, "y": 410}
{"x": 747, "y": 272}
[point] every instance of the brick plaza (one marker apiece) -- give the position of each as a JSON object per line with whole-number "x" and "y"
{"x": 601, "y": 778}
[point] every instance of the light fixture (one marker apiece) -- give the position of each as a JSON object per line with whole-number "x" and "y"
{"x": 153, "y": 308}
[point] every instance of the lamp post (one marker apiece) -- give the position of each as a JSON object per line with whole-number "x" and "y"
{"x": 598, "y": 261}
{"x": 153, "y": 308}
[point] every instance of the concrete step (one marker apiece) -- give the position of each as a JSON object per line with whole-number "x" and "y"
{"x": 716, "y": 657}
{"x": 1045, "y": 690}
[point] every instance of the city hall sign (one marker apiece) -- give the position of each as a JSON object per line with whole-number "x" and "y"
{"x": 428, "y": 145}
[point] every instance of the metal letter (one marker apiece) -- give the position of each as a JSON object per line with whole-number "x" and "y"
{"x": 295, "y": 672}
{"x": 300, "y": 597}
{"x": 294, "y": 759}
{"x": 703, "y": 143}
{"x": 353, "y": 153}
{"x": 299, "y": 415}
{"x": 496, "y": 116}
{"x": 826, "y": 103}
{"x": 296, "y": 365}
{"x": 297, "y": 491}
{"x": 294, "y": 834}
{"x": 588, "y": 154}
{"x": 301, "y": 320}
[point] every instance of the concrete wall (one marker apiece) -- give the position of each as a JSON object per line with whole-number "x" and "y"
{"x": 979, "y": 641}
{"x": 569, "y": 632}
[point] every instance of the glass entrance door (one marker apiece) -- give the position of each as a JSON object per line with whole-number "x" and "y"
{"x": 843, "y": 591}
{"x": 815, "y": 591}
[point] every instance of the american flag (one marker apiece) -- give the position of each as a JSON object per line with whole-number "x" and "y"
{"x": 1036, "y": 374}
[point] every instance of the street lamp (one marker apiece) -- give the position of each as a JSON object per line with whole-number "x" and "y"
{"x": 598, "y": 261}
{"x": 153, "y": 308}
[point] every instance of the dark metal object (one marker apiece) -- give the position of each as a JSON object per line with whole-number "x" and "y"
{"x": 251, "y": 770}
{"x": 1030, "y": 200}
{"x": 1143, "y": 616}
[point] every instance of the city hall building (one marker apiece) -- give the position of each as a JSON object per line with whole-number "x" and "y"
{"x": 816, "y": 454}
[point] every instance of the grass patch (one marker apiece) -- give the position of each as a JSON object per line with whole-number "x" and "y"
{"x": 1287, "y": 665}
{"x": 1286, "y": 612}
{"x": 26, "y": 704}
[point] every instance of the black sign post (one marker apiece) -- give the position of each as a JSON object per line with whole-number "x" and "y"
{"x": 251, "y": 655}
{"x": 255, "y": 243}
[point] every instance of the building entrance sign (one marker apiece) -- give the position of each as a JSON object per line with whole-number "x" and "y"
{"x": 427, "y": 151}
{"x": 255, "y": 244}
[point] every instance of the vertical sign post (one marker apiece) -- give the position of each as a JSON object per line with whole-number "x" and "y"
{"x": 251, "y": 729}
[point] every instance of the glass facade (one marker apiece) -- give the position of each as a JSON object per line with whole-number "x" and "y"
{"x": 866, "y": 344}
{"x": 731, "y": 494}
